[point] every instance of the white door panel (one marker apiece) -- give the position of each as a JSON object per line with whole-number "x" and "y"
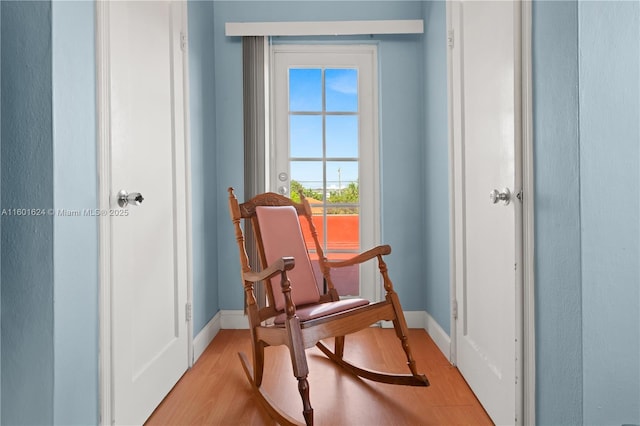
{"x": 148, "y": 244}
{"x": 486, "y": 134}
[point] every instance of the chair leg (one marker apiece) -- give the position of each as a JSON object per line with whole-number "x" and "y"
{"x": 339, "y": 346}
{"x": 275, "y": 413}
{"x": 301, "y": 371}
{"x": 307, "y": 411}
{"x": 407, "y": 349}
{"x": 258, "y": 362}
{"x": 402, "y": 331}
{"x": 300, "y": 366}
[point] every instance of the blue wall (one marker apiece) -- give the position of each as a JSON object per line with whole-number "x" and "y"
{"x": 401, "y": 112}
{"x": 435, "y": 196}
{"x": 203, "y": 160}
{"x": 557, "y": 215}
{"x": 75, "y": 239}
{"x": 27, "y": 241}
{"x": 49, "y": 262}
{"x": 0, "y": 219}
{"x": 401, "y": 161}
{"x": 609, "y": 105}
{"x": 586, "y": 127}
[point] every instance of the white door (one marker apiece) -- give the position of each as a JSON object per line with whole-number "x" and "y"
{"x": 326, "y": 142}
{"x": 148, "y": 249}
{"x": 486, "y": 146}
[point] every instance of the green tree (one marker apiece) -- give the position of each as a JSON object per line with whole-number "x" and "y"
{"x": 310, "y": 193}
{"x": 350, "y": 194}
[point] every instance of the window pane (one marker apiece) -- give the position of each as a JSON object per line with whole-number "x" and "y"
{"x": 341, "y": 90}
{"x": 343, "y": 229}
{"x": 308, "y": 175}
{"x": 342, "y": 182}
{"x": 345, "y": 280}
{"x": 305, "y": 135}
{"x": 305, "y": 89}
{"x": 342, "y": 136}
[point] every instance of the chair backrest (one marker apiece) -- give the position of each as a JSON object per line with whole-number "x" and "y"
{"x": 276, "y": 232}
{"x": 282, "y": 236}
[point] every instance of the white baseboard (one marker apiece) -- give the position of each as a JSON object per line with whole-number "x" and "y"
{"x": 421, "y": 319}
{"x": 205, "y": 336}
{"x": 223, "y": 319}
{"x": 415, "y": 319}
{"x": 233, "y": 320}
{"x": 439, "y": 336}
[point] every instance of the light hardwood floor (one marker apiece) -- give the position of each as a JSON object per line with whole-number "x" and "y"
{"x": 216, "y": 392}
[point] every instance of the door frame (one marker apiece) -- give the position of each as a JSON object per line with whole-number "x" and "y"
{"x": 103, "y": 101}
{"x": 373, "y": 227}
{"x": 525, "y": 310}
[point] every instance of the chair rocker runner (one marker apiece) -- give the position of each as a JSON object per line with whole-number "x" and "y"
{"x": 297, "y": 315}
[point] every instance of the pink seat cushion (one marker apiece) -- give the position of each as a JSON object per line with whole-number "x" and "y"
{"x": 282, "y": 236}
{"x": 320, "y": 310}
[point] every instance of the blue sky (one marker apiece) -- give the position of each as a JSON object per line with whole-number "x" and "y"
{"x": 341, "y": 96}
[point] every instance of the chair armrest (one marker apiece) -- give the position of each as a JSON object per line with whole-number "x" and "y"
{"x": 277, "y": 267}
{"x": 360, "y": 258}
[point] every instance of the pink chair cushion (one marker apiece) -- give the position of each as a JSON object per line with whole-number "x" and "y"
{"x": 306, "y": 313}
{"x": 282, "y": 236}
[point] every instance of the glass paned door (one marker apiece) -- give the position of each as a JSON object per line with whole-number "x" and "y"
{"x": 323, "y": 161}
{"x": 324, "y": 131}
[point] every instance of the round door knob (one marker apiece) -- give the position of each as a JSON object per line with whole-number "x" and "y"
{"x": 125, "y": 198}
{"x": 504, "y": 196}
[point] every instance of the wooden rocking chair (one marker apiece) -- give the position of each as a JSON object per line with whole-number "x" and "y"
{"x": 297, "y": 315}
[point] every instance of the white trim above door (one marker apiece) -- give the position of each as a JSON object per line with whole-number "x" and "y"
{"x": 324, "y": 28}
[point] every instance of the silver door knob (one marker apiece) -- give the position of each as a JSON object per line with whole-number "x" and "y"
{"x": 504, "y": 196}
{"x": 125, "y": 198}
